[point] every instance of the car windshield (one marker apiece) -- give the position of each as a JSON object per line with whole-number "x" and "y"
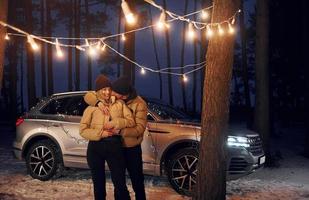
{"x": 167, "y": 112}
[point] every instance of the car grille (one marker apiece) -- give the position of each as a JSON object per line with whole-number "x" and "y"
{"x": 256, "y": 147}
{"x": 237, "y": 166}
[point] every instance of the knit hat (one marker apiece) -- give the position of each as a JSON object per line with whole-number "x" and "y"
{"x": 122, "y": 85}
{"x": 102, "y": 82}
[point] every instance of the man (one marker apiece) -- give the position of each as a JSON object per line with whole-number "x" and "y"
{"x": 132, "y": 137}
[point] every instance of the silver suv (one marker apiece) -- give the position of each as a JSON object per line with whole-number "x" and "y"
{"x": 47, "y": 137}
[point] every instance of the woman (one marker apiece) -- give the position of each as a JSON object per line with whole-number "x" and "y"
{"x": 104, "y": 141}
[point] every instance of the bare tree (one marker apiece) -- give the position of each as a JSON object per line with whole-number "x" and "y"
{"x": 211, "y": 177}
{"x": 261, "y": 117}
{"x": 3, "y": 17}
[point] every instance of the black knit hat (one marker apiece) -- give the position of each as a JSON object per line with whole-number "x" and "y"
{"x": 102, "y": 82}
{"x": 122, "y": 85}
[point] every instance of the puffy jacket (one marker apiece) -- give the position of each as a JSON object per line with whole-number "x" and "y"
{"x": 93, "y": 119}
{"x": 132, "y": 136}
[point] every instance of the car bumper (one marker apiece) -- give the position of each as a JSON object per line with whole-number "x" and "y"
{"x": 17, "y": 152}
{"x": 242, "y": 162}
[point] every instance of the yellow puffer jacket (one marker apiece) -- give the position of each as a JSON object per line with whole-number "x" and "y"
{"x": 93, "y": 120}
{"x": 132, "y": 136}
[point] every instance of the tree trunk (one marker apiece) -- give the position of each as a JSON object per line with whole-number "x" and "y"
{"x": 30, "y": 57}
{"x": 70, "y": 50}
{"x": 49, "y": 50}
{"x": 3, "y": 17}
{"x": 169, "y": 64}
{"x": 43, "y": 67}
{"x": 182, "y": 58}
{"x": 156, "y": 55}
{"x": 88, "y": 30}
{"x": 129, "y": 47}
{"x": 77, "y": 35}
{"x": 211, "y": 177}
{"x": 244, "y": 64}
{"x": 261, "y": 118}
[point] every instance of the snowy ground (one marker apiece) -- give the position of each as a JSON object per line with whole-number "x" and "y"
{"x": 289, "y": 181}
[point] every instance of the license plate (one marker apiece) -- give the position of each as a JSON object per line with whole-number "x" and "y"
{"x": 262, "y": 160}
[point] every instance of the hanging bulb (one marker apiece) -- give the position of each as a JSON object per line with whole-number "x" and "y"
{"x": 161, "y": 24}
{"x": 231, "y": 29}
{"x": 32, "y": 43}
{"x": 58, "y": 49}
{"x": 209, "y": 32}
{"x": 103, "y": 48}
{"x": 127, "y": 13}
{"x": 233, "y": 21}
{"x": 87, "y": 42}
{"x": 98, "y": 46}
{"x": 184, "y": 78}
{"x": 123, "y": 37}
{"x": 220, "y": 30}
{"x": 204, "y": 14}
{"x": 6, "y": 37}
{"x": 80, "y": 48}
{"x": 190, "y": 32}
{"x": 143, "y": 71}
{"x": 92, "y": 51}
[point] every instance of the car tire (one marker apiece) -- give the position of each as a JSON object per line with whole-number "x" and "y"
{"x": 182, "y": 170}
{"x": 44, "y": 160}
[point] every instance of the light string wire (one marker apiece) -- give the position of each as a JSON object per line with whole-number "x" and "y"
{"x": 197, "y": 25}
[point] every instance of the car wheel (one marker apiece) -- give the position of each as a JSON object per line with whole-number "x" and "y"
{"x": 44, "y": 160}
{"x": 182, "y": 170}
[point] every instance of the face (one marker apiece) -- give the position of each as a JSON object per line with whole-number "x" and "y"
{"x": 105, "y": 93}
{"x": 119, "y": 96}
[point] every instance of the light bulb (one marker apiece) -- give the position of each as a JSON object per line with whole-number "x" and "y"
{"x": 6, "y": 37}
{"x": 58, "y": 49}
{"x": 204, "y": 14}
{"x": 209, "y": 32}
{"x": 190, "y": 32}
{"x": 231, "y": 29}
{"x": 184, "y": 78}
{"x": 127, "y": 12}
{"x": 161, "y": 23}
{"x": 220, "y": 30}
{"x": 32, "y": 43}
{"x": 143, "y": 71}
{"x": 123, "y": 37}
{"x": 103, "y": 48}
{"x": 98, "y": 46}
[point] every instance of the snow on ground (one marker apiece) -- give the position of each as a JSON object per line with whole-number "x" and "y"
{"x": 290, "y": 181}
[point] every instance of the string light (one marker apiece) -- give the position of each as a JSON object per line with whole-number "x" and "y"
{"x": 127, "y": 13}
{"x": 98, "y": 46}
{"x": 191, "y": 32}
{"x": 7, "y": 37}
{"x": 209, "y": 32}
{"x": 184, "y": 78}
{"x": 103, "y": 48}
{"x": 143, "y": 71}
{"x": 58, "y": 49}
{"x": 231, "y": 29}
{"x": 32, "y": 43}
{"x": 204, "y": 15}
{"x": 220, "y": 30}
{"x": 161, "y": 24}
{"x": 123, "y": 37}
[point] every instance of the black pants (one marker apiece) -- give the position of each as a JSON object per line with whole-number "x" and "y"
{"x": 134, "y": 164}
{"x": 109, "y": 150}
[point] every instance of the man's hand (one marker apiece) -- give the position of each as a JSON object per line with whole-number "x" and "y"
{"x": 108, "y": 126}
{"x": 103, "y": 108}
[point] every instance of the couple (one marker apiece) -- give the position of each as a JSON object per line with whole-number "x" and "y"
{"x": 114, "y": 123}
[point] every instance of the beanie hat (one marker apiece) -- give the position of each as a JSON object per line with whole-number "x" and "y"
{"x": 102, "y": 82}
{"x": 122, "y": 85}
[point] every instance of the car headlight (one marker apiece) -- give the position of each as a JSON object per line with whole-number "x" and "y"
{"x": 237, "y": 141}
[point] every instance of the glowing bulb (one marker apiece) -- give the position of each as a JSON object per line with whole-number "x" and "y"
{"x": 127, "y": 12}
{"x": 58, "y": 49}
{"x": 6, "y": 37}
{"x": 190, "y": 32}
{"x": 123, "y": 37}
{"x": 231, "y": 29}
{"x": 209, "y": 32}
{"x": 184, "y": 78}
{"x": 233, "y": 21}
{"x": 103, "y": 48}
{"x": 32, "y": 43}
{"x": 80, "y": 48}
{"x": 87, "y": 42}
{"x": 204, "y": 14}
{"x": 220, "y": 30}
{"x": 98, "y": 46}
{"x": 161, "y": 23}
{"x": 143, "y": 71}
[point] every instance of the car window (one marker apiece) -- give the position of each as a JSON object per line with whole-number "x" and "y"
{"x": 167, "y": 112}
{"x": 149, "y": 117}
{"x": 71, "y": 105}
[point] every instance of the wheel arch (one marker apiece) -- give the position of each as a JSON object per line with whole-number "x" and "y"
{"x": 173, "y": 148}
{"x": 35, "y": 138}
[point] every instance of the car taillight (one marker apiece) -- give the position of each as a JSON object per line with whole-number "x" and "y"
{"x": 19, "y": 121}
